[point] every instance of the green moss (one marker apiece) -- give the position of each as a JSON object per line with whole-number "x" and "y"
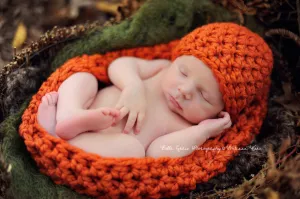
{"x": 156, "y": 22}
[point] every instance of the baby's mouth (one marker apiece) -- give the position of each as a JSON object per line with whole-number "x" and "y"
{"x": 174, "y": 101}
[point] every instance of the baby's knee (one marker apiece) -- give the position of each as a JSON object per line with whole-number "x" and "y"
{"x": 84, "y": 81}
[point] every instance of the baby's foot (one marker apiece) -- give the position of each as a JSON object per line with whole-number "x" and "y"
{"x": 86, "y": 120}
{"x": 46, "y": 115}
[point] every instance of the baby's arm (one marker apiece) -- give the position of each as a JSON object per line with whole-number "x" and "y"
{"x": 127, "y": 71}
{"x": 184, "y": 142}
{"x": 177, "y": 144}
{"x": 127, "y": 74}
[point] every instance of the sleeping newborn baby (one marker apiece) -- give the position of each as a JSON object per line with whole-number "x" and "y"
{"x": 150, "y": 110}
{"x": 162, "y": 108}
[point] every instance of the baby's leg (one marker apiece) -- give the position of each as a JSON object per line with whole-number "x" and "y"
{"x": 109, "y": 144}
{"x": 76, "y": 94}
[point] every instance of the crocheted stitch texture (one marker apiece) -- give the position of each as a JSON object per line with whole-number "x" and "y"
{"x": 240, "y": 60}
{"x": 136, "y": 177}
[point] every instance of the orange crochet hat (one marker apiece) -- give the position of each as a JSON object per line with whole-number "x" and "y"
{"x": 240, "y": 60}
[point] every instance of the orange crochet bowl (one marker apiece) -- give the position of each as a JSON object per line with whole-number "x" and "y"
{"x": 146, "y": 177}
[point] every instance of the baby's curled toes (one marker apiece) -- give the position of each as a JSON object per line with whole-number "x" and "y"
{"x": 110, "y": 111}
{"x": 110, "y": 115}
{"x": 50, "y": 98}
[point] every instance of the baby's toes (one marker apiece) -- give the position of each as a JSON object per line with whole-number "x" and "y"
{"x": 115, "y": 113}
{"x": 49, "y": 99}
{"x": 105, "y": 111}
{"x": 45, "y": 100}
{"x": 52, "y": 98}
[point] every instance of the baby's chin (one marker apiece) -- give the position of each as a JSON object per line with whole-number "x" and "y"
{"x": 191, "y": 120}
{"x": 194, "y": 121}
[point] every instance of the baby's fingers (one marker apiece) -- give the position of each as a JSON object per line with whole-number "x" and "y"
{"x": 222, "y": 114}
{"x": 228, "y": 124}
{"x": 130, "y": 122}
{"x": 119, "y": 105}
{"x": 139, "y": 122}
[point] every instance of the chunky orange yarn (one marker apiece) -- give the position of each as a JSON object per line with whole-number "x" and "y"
{"x": 240, "y": 60}
{"x": 242, "y": 63}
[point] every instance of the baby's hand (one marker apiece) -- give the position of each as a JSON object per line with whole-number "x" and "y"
{"x": 133, "y": 102}
{"x": 214, "y": 127}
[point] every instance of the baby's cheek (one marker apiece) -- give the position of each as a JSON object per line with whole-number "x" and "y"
{"x": 195, "y": 116}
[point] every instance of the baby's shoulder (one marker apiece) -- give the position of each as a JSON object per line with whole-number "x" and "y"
{"x": 165, "y": 63}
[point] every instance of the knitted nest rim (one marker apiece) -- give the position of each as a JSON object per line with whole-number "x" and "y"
{"x": 279, "y": 124}
{"x": 128, "y": 177}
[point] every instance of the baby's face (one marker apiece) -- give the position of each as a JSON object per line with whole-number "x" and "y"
{"x": 195, "y": 88}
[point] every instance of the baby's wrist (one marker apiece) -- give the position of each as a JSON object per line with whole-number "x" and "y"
{"x": 201, "y": 133}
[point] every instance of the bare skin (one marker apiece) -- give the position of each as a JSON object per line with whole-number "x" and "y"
{"x": 85, "y": 116}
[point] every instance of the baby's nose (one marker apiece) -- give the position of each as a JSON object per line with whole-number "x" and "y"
{"x": 188, "y": 96}
{"x": 185, "y": 92}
